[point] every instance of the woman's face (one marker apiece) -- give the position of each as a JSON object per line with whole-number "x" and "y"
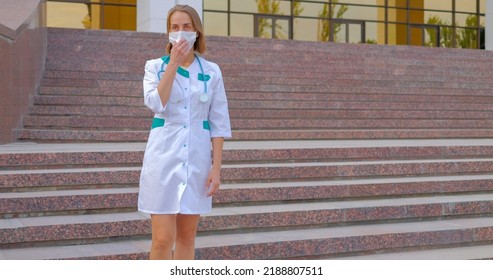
{"x": 181, "y": 21}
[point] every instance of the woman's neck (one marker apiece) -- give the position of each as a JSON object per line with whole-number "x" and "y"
{"x": 189, "y": 60}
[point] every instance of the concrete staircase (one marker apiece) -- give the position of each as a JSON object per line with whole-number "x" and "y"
{"x": 339, "y": 151}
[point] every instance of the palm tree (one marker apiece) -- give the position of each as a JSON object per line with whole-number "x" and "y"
{"x": 328, "y": 13}
{"x": 466, "y": 38}
{"x": 272, "y": 7}
{"x": 266, "y": 7}
{"x": 446, "y": 33}
{"x": 469, "y": 36}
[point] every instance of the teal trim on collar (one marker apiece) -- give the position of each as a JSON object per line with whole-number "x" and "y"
{"x": 180, "y": 70}
{"x": 183, "y": 72}
{"x": 201, "y": 77}
{"x": 166, "y": 59}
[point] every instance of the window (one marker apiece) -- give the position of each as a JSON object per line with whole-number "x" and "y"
{"x": 443, "y": 23}
{"x": 92, "y": 14}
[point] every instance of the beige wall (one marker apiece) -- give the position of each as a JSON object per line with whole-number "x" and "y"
{"x": 22, "y": 56}
{"x": 489, "y": 25}
{"x": 152, "y": 14}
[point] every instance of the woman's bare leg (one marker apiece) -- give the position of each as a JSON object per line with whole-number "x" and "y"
{"x": 163, "y": 236}
{"x": 186, "y": 230}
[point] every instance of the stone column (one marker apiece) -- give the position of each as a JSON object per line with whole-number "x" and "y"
{"x": 152, "y": 14}
{"x": 489, "y": 25}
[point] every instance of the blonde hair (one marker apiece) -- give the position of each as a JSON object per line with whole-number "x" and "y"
{"x": 199, "y": 45}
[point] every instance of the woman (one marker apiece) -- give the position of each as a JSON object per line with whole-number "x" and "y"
{"x": 186, "y": 93}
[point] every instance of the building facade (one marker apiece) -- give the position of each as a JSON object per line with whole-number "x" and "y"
{"x": 431, "y": 23}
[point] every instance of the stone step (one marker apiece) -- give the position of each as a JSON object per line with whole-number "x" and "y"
{"x": 258, "y": 217}
{"x": 137, "y": 91}
{"x": 237, "y": 113}
{"x": 139, "y": 124}
{"x": 88, "y": 123}
{"x": 401, "y": 86}
{"x": 96, "y": 47}
{"x": 361, "y": 134}
{"x": 15, "y": 180}
{"x": 122, "y": 38}
{"x": 38, "y": 156}
{"x": 121, "y": 111}
{"x": 310, "y": 214}
{"x": 72, "y": 229}
{"x": 356, "y": 189}
{"x": 86, "y": 201}
{"x": 120, "y": 46}
{"x": 70, "y": 91}
{"x": 465, "y": 252}
{"x": 396, "y": 72}
{"x": 328, "y": 242}
{"x": 70, "y": 100}
{"x": 108, "y": 54}
{"x": 135, "y": 113}
{"x": 139, "y": 250}
{"x": 152, "y": 43}
{"x": 350, "y": 239}
{"x": 334, "y": 71}
{"x": 346, "y": 170}
{"x": 67, "y": 202}
{"x": 110, "y": 59}
{"x": 343, "y": 72}
{"x": 259, "y": 83}
{"x": 280, "y": 105}
{"x": 78, "y": 114}
{"x": 242, "y": 124}
{"x": 131, "y": 69}
{"x": 72, "y": 159}
{"x": 68, "y": 136}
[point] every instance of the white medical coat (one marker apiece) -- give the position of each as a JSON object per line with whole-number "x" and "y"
{"x": 177, "y": 159}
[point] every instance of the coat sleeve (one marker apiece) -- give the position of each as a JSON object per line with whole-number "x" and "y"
{"x": 219, "y": 115}
{"x": 151, "y": 96}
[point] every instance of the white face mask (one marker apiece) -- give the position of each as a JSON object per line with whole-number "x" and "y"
{"x": 189, "y": 36}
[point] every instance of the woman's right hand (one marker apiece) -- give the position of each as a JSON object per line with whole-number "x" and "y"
{"x": 179, "y": 52}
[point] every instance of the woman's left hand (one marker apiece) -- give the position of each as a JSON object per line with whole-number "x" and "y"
{"x": 213, "y": 181}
